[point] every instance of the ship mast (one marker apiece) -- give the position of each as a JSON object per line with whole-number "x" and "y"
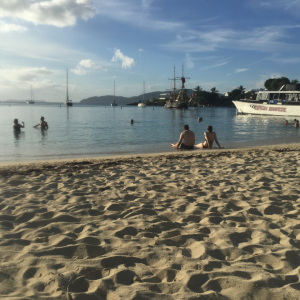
{"x": 67, "y": 87}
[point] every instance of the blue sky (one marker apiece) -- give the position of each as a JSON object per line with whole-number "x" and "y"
{"x": 221, "y": 43}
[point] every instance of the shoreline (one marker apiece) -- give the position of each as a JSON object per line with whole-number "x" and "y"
{"x": 82, "y": 157}
{"x": 179, "y": 154}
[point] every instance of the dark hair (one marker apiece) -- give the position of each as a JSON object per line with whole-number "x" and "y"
{"x": 16, "y": 121}
{"x": 209, "y": 128}
{"x": 186, "y": 127}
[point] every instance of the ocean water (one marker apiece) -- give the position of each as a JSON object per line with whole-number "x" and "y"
{"x": 85, "y": 131}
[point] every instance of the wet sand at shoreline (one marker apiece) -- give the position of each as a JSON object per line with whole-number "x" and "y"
{"x": 221, "y": 224}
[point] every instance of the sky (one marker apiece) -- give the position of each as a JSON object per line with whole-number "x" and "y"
{"x": 216, "y": 43}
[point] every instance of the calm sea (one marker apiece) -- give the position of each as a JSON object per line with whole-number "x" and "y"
{"x": 83, "y": 131}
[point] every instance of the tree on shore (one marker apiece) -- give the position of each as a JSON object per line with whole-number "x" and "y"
{"x": 274, "y": 84}
{"x": 214, "y": 90}
{"x": 295, "y": 81}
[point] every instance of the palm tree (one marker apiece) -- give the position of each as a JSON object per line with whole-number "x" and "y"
{"x": 241, "y": 89}
{"x": 214, "y": 90}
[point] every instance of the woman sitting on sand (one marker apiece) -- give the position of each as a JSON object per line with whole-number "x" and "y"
{"x": 210, "y": 137}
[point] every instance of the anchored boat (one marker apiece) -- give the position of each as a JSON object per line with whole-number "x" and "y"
{"x": 285, "y": 102}
{"x": 182, "y": 99}
{"x": 68, "y": 102}
{"x": 114, "y": 102}
{"x": 142, "y": 103}
{"x": 31, "y": 101}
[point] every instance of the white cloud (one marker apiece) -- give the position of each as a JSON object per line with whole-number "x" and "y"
{"x": 141, "y": 50}
{"x": 59, "y": 13}
{"x": 23, "y": 77}
{"x": 79, "y": 71}
{"x": 215, "y": 65}
{"x": 127, "y": 62}
{"x": 146, "y": 3}
{"x": 87, "y": 63}
{"x": 240, "y": 70}
{"x": 5, "y": 27}
{"x": 189, "y": 61}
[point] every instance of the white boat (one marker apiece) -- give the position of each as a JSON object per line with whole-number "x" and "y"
{"x": 31, "y": 101}
{"x": 114, "y": 102}
{"x": 142, "y": 103}
{"x": 285, "y": 102}
{"x": 68, "y": 102}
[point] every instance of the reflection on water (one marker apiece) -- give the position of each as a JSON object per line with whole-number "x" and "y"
{"x": 18, "y": 134}
{"x": 96, "y": 130}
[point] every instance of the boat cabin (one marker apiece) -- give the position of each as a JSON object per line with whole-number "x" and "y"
{"x": 288, "y": 93}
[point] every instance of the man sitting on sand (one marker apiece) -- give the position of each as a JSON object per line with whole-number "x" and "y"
{"x": 17, "y": 126}
{"x": 210, "y": 137}
{"x": 188, "y": 137}
{"x": 43, "y": 124}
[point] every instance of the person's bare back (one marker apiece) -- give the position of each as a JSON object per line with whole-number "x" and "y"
{"x": 188, "y": 137}
{"x": 210, "y": 137}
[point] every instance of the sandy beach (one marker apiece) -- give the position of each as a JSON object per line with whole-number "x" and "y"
{"x": 187, "y": 225}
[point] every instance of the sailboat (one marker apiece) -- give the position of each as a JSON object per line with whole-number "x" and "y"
{"x": 142, "y": 103}
{"x": 114, "y": 102}
{"x": 31, "y": 101}
{"x": 68, "y": 102}
{"x": 182, "y": 99}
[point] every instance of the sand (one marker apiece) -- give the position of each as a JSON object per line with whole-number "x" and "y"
{"x": 191, "y": 225}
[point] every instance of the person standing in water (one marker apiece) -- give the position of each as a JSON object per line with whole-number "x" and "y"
{"x": 188, "y": 137}
{"x": 210, "y": 137}
{"x": 17, "y": 126}
{"x": 43, "y": 124}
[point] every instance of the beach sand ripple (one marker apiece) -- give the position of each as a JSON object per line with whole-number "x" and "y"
{"x": 215, "y": 225}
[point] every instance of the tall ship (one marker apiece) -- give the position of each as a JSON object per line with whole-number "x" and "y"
{"x": 31, "y": 101}
{"x": 142, "y": 103}
{"x": 68, "y": 102}
{"x": 285, "y": 102}
{"x": 182, "y": 99}
{"x": 114, "y": 102}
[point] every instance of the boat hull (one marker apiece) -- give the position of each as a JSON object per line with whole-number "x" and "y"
{"x": 263, "y": 108}
{"x": 68, "y": 103}
{"x": 176, "y": 104}
{"x": 141, "y": 105}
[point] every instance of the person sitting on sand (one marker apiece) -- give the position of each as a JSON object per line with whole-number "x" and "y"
{"x": 210, "y": 137}
{"x": 188, "y": 137}
{"x": 286, "y": 123}
{"x": 43, "y": 124}
{"x": 17, "y": 126}
{"x": 296, "y": 123}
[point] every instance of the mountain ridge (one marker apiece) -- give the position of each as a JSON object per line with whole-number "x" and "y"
{"x": 120, "y": 100}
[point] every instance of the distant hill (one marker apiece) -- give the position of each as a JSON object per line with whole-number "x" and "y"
{"x": 107, "y": 100}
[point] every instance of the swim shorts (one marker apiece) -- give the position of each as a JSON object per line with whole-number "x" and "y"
{"x": 184, "y": 146}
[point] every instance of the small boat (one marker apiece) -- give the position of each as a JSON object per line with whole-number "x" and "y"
{"x": 285, "y": 102}
{"x": 114, "y": 102}
{"x": 31, "y": 101}
{"x": 142, "y": 103}
{"x": 68, "y": 102}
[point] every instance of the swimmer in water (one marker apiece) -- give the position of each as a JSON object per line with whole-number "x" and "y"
{"x": 43, "y": 124}
{"x": 17, "y": 126}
